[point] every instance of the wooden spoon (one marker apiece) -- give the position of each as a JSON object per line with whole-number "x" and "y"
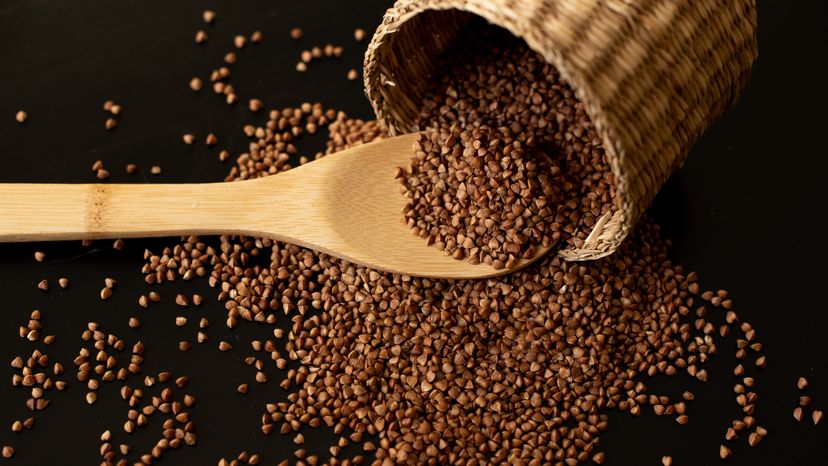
{"x": 347, "y": 205}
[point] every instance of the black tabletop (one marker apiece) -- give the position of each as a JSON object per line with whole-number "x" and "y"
{"x": 745, "y": 212}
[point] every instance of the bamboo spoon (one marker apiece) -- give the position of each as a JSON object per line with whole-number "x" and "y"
{"x": 347, "y": 205}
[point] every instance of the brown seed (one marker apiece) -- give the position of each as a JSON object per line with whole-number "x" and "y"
{"x": 200, "y": 37}
{"x": 754, "y": 439}
{"x": 239, "y": 41}
{"x": 39, "y": 256}
{"x": 106, "y": 293}
{"x": 359, "y": 34}
{"x": 667, "y": 460}
{"x": 209, "y": 16}
{"x": 43, "y": 285}
{"x": 255, "y": 105}
{"x": 182, "y": 300}
{"x": 299, "y": 439}
{"x": 102, "y": 174}
{"x": 802, "y": 383}
{"x": 110, "y": 123}
{"x": 243, "y": 388}
{"x": 110, "y": 283}
{"x": 352, "y": 75}
{"x": 224, "y": 155}
{"x": 115, "y": 109}
{"x": 224, "y": 346}
{"x": 188, "y": 139}
{"x": 63, "y": 282}
{"x": 155, "y": 170}
{"x": 196, "y": 84}
{"x": 760, "y": 361}
{"x": 683, "y": 419}
{"x": 17, "y": 426}
{"x": 184, "y": 345}
{"x": 724, "y": 452}
{"x": 816, "y": 416}
{"x": 256, "y": 37}
{"x": 804, "y": 401}
{"x": 117, "y": 245}
{"x": 8, "y": 451}
{"x": 296, "y": 33}
{"x": 180, "y": 321}
{"x": 143, "y": 301}
{"x": 91, "y": 397}
{"x": 301, "y": 67}
{"x": 797, "y": 413}
{"x": 211, "y": 140}
{"x": 134, "y": 322}
{"x": 230, "y": 58}
{"x": 21, "y": 116}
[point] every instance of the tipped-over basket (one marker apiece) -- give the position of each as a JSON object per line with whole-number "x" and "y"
{"x": 653, "y": 75}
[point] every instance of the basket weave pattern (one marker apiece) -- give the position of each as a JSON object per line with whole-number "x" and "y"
{"x": 653, "y": 75}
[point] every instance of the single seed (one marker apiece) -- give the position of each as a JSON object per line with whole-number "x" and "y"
{"x": 296, "y": 33}
{"x": 102, "y": 174}
{"x": 209, "y": 16}
{"x": 180, "y": 321}
{"x": 110, "y": 123}
{"x": 182, "y": 300}
{"x": 724, "y": 452}
{"x": 8, "y": 451}
{"x": 43, "y": 285}
{"x": 760, "y": 361}
{"x": 39, "y": 256}
{"x": 196, "y": 84}
{"x": 17, "y": 426}
{"x": 91, "y": 397}
{"x": 359, "y": 34}
{"x": 115, "y": 109}
{"x": 118, "y": 244}
{"x": 134, "y": 322}
{"x": 255, "y": 105}
{"x": 797, "y": 413}
{"x": 802, "y": 383}
{"x": 816, "y": 416}
{"x": 21, "y": 116}
{"x": 63, "y": 282}
{"x": 683, "y": 419}
{"x": 211, "y": 140}
{"x": 110, "y": 283}
{"x": 188, "y": 139}
{"x": 184, "y": 345}
{"x": 352, "y": 75}
{"x": 224, "y": 346}
{"x": 239, "y": 41}
{"x": 256, "y": 37}
{"x": 200, "y": 37}
{"x": 242, "y": 388}
{"x": 106, "y": 293}
{"x": 230, "y": 58}
{"x": 155, "y": 170}
{"x": 301, "y": 67}
{"x": 667, "y": 460}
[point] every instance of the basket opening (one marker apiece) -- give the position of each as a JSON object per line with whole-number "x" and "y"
{"x": 428, "y": 47}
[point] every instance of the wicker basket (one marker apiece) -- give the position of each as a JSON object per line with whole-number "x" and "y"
{"x": 652, "y": 74}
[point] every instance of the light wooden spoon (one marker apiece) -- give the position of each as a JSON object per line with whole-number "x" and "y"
{"x": 346, "y": 204}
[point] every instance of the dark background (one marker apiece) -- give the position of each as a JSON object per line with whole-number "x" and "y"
{"x": 745, "y": 212}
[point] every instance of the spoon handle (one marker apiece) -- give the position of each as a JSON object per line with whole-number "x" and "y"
{"x": 48, "y": 212}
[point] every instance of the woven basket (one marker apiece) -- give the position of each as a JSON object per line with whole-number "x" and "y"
{"x": 653, "y": 75}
